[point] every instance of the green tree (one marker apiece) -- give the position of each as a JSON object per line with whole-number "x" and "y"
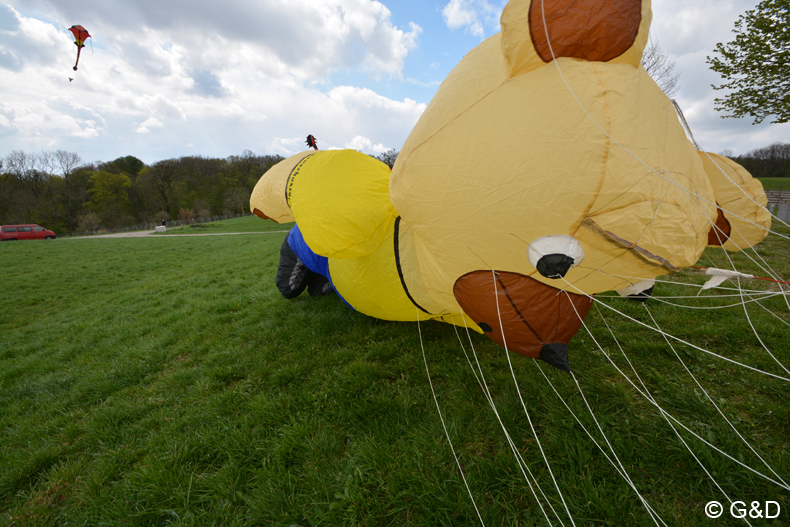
{"x": 756, "y": 65}
{"x": 769, "y": 161}
{"x": 165, "y": 174}
{"x": 129, "y": 165}
{"x": 109, "y": 196}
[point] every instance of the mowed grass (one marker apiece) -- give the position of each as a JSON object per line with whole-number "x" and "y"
{"x": 775, "y": 183}
{"x": 165, "y": 381}
{"x": 245, "y": 224}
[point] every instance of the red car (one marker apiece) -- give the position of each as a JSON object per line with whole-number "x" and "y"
{"x": 25, "y": 232}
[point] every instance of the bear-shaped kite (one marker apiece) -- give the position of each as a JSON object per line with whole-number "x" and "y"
{"x": 548, "y": 167}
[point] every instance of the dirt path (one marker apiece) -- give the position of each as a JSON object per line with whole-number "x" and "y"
{"x": 140, "y": 234}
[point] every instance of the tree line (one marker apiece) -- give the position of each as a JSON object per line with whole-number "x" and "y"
{"x": 60, "y": 191}
{"x": 769, "y": 161}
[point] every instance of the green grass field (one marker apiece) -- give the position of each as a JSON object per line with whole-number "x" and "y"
{"x": 244, "y": 225}
{"x": 165, "y": 381}
{"x": 775, "y": 183}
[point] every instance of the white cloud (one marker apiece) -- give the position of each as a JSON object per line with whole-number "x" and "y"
{"x": 363, "y": 144}
{"x": 430, "y": 84}
{"x": 286, "y": 146}
{"x": 67, "y": 105}
{"x": 473, "y": 15}
{"x": 688, "y": 32}
{"x": 49, "y": 121}
{"x": 220, "y": 77}
{"x": 151, "y": 122}
{"x": 307, "y": 38}
{"x": 28, "y": 41}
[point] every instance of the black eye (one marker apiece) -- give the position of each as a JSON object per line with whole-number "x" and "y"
{"x": 554, "y": 265}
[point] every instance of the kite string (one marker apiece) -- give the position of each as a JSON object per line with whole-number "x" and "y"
{"x": 524, "y": 406}
{"x": 621, "y": 470}
{"x": 708, "y": 308}
{"x": 652, "y": 400}
{"x": 487, "y": 393}
{"x": 676, "y": 338}
{"x": 746, "y": 310}
{"x": 649, "y": 398}
{"x": 707, "y": 395}
{"x": 756, "y": 334}
{"x": 444, "y": 426}
{"x": 697, "y": 147}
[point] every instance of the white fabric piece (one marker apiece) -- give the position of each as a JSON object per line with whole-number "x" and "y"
{"x": 555, "y": 244}
{"x": 720, "y": 276}
{"x": 716, "y": 281}
{"x": 637, "y": 288}
{"x": 724, "y": 272}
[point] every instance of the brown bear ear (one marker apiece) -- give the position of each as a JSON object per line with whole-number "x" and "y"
{"x": 720, "y": 231}
{"x": 584, "y": 29}
{"x": 593, "y": 30}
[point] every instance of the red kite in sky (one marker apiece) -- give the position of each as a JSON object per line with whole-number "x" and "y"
{"x": 80, "y": 35}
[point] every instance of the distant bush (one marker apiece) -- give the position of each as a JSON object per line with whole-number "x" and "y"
{"x": 186, "y": 215}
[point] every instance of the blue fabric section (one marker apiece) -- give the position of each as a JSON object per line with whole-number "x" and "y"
{"x": 317, "y": 264}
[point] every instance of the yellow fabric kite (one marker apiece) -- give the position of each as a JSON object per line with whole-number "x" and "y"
{"x": 549, "y": 166}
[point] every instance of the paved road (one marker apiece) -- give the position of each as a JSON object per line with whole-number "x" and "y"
{"x": 140, "y": 234}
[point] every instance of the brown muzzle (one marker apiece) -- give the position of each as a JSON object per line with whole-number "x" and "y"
{"x": 537, "y": 320}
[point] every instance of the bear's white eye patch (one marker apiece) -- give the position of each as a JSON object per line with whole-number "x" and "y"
{"x": 555, "y": 255}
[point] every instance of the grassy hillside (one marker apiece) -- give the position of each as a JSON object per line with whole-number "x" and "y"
{"x": 243, "y": 224}
{"x": 165, "y": 381}
{"x": 775, "y": 183}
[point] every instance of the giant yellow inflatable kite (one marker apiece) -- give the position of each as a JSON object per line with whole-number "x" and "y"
{"x": 548, "y": 167}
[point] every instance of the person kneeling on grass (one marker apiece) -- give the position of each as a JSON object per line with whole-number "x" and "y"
{"x": 300, "y": 268}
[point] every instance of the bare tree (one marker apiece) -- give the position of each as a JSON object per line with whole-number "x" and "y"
{"x": 20, "y": 164}
{"x": 657, "y": 64}
{"x": 67, "y": 161}
{"x": 26, "y": 169}
{"x": 87, "y": 221}
{"x": 389, "y": 157}
{"x": 202, "y": 208}
{"x": 46, "y": 162}
{"x": 237, "y": 197}
{"x": 245, "y": 162}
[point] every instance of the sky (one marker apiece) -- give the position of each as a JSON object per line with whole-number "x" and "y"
{"x": 162, "y": 79}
